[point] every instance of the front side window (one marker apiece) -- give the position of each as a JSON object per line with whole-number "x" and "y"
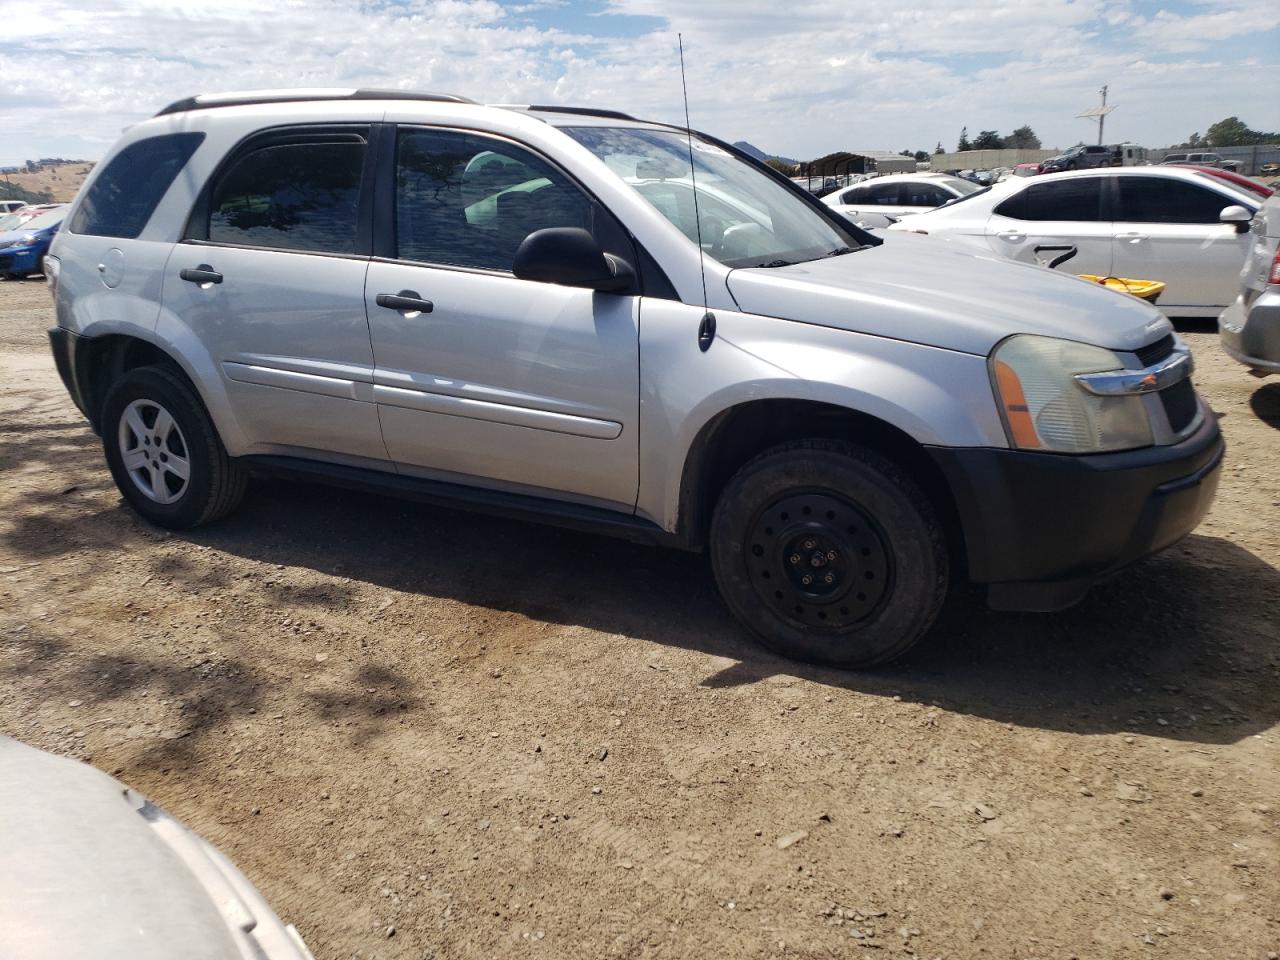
{"x": 291, "y": 196}
{"x": 467, "y": 200}
{"x": 1077, "y": 199}
{"x": 128, "y": 189}
{"x": 746, "y": 218}
{"x": 1166, "y": 200}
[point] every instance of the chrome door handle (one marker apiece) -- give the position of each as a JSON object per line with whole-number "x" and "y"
{"x": 406, "y": 301}
{"x": 1131, "y": 237}
{"x": 203, "y": 275}
{"x": 1011, "y": 235}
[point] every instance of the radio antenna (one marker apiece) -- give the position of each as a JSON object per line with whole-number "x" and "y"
{"x": 707, "y": 329}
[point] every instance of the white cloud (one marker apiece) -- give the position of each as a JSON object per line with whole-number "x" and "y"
{"x": 800, "y": 79}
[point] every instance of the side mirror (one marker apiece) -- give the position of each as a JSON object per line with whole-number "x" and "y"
{"x": 570, "y": 256}
{"x": 1238, "y": 215}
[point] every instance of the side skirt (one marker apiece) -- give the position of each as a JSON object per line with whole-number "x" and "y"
{"x": 572, "y": 516}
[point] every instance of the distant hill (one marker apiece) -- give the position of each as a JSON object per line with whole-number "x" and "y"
{"x": 57, "y": 182}
{"x": 753, "y": 151}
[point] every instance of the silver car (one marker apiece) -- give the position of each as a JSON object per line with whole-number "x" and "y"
{"x": 1250, "y": 327}
{"x": 574, "y": 316}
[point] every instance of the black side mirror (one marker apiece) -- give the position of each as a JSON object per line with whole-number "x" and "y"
{"x": 570, "y": 256}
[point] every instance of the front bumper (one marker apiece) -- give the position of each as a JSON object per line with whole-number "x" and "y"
{"x": 1251, "y": 335}
{"x": 21, "y": 259}
{"x": 1041, "y": 528}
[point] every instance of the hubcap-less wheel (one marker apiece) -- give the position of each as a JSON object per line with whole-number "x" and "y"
{"x": 818, "y": 560}
{"x": 154, "y": 451}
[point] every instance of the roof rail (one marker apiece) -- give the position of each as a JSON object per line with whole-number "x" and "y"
{"x": 207, "y": 101}
{"x": 582, "y": 111}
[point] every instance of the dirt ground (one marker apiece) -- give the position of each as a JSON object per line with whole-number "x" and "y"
{"x": 425, "y": 734}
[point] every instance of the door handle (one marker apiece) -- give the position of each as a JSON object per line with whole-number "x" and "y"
{"x": 406, "y": 301}
{"x": 1012, "y": 235}
{"x": 1131, "y": 237}
{"x": 202, "y": 274}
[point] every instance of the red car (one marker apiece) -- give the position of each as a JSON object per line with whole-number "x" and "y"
{"x": 1248, "y": 183}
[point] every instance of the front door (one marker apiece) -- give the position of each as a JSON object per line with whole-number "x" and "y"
{"x": 1169, "y": 230}
{"x": 271, "y": 282}
{"x": 519, "y": 385}
{"x": 1046, "y": 220}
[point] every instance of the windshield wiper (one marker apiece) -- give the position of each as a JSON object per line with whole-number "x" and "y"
{"x": 841, "y": 251}
{"x": 775, "y": 263}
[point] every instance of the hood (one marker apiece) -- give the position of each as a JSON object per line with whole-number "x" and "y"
{"x": 91, "y": 870}
{"x": 930, "y": 291}
{"x": 9, "y": 236}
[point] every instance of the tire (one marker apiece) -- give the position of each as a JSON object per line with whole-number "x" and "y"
{"x": 828, "y": 509}
{"x": 1073, "y": 166}
{"x": 149, "y": 474}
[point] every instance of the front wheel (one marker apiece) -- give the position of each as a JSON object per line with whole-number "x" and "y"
{"x": 829, "y": 553}
{"x": 164, "y": 451}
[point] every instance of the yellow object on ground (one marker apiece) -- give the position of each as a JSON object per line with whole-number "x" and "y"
{"x": 1144, "y": 289}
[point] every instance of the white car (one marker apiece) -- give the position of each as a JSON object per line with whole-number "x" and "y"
{"x": 1185, "y": 228}
{"x": 884, "y": 200}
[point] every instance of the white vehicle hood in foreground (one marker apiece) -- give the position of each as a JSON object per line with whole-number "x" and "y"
{"x": 929, "y": 291}
{"x": 92, "y": 871}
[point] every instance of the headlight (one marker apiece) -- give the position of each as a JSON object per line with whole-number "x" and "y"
{"x": 1044, "y": 408}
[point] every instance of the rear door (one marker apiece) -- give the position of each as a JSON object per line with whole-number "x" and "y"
{"x": 1052, "y": 218}
{"x": 502, "y": 382}
{"x": 1168, "y": 229}
{"x": 270, "y": 278}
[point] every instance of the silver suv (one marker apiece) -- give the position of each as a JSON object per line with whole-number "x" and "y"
{"x": 579, "y": 317}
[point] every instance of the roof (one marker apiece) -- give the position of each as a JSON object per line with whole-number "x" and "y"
{"x": 241, "y": 98}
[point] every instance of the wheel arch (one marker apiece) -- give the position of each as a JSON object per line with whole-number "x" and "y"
{"x": 739, "y": 433}
{"x": 104, "y": 355}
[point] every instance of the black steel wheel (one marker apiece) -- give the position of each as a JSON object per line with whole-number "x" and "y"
{"x": 818, "y": 560}
{"x": 829, "y": 553}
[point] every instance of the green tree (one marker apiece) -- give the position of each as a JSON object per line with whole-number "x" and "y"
{"x": 920, "y": 156}
{"x": 964, "y": 143}
{"x": 787, "y": 168}
{"x": 988, "y": 140}
{"x": 1233, "y": 132}
{"x": 1024, "y": 138}
{"x": 937, "y": 151}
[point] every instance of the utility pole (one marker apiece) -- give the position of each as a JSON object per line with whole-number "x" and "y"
{"x": 1098, "y": 113}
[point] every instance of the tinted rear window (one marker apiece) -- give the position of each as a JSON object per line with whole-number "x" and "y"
{"x": 126, "y": 192}
{"x": 296, "y": 196}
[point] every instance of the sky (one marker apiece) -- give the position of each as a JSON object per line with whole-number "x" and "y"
{"x": 801, "y": 79}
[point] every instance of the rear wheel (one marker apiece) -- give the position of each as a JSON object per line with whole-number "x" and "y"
{"x": 164, "y": 452}
{"x": 829, "y": 553}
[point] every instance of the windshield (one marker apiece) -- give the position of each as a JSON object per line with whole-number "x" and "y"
{"x": 47, "y": 219}
{"x": 10, "y": 221}
{"x": 747, "y": 218}
{"x": 976, "y": 193}
{"x": 962, "y": 187}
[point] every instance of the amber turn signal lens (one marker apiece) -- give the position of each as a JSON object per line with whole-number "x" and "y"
{"x": 1014, "y": 402}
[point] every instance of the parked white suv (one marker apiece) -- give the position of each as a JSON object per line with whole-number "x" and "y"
{"x": 508, "y": 308}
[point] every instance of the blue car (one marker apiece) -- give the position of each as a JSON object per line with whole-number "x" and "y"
{"x": 22, "y": 250}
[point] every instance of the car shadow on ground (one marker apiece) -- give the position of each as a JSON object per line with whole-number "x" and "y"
{"x": 1182, "y": 646}
{"x": 1265, "y": 404}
